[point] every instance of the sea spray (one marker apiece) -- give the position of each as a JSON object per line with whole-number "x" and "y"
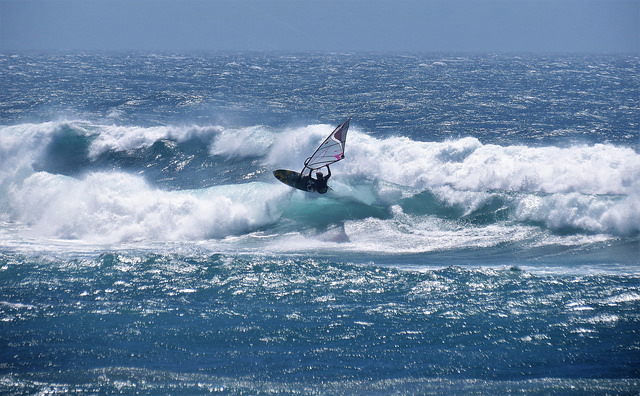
{"x": 480, "y": 236}
{"x": 584, "y": 188}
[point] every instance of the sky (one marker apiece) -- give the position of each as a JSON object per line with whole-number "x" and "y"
{"x": 478, "y": 26}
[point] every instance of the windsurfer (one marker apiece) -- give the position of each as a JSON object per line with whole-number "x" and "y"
{"x": 320, "y": 182}
{"x": 330, "y": 151}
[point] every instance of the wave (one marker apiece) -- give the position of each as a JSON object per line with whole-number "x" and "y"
{"x": 465, "y": 164}
{"x": 113, "y": 184}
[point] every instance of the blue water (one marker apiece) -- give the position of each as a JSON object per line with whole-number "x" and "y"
{"x": 482, "y": 235}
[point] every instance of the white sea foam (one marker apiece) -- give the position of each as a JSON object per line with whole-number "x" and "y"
{"x": 593, "y": 188}
{"x": 624, "y": 298}
{"x": 123, "y": 138}
{"x": 292, "y": 146}
{"x": 587, "y": 212}
{"x": 464, "y": 164}
{"x": 20, "y": 145}
{"x": 117, "y": 207}
{"x": 467, "y": 164}
{"x": 241, "y": 143}
{"x": 427, "y": 234}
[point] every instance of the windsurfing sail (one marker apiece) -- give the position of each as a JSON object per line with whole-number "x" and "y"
{"x": 330, "y": 151}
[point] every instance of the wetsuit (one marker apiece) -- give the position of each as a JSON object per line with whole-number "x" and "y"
{"x": 320, "y": 184}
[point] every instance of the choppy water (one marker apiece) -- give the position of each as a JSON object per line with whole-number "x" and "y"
{"x": 481, "y": 236}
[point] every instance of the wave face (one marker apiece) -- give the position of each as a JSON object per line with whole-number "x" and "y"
{"x": 112, "y": 184}
{"x": 482, "y": 234}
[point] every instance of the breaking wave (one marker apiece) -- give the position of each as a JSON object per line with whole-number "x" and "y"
{"x": 113, "y": 184}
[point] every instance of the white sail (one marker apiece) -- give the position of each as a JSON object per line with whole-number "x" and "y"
{"x": 331, "y": 150}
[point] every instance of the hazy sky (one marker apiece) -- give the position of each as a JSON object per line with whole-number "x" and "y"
{"x": 601, "y": 26}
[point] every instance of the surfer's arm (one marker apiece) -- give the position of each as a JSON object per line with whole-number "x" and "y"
{"x": 328, "y": 172}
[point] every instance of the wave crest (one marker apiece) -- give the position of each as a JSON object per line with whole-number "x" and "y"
{"x": 115, "y": 183}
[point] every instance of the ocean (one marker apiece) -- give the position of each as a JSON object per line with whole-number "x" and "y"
{"x": 481, "y": 236}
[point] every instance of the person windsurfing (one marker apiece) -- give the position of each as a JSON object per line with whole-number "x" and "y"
{"x": 320, "y": 182}
{"x": 330, "y": 151}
